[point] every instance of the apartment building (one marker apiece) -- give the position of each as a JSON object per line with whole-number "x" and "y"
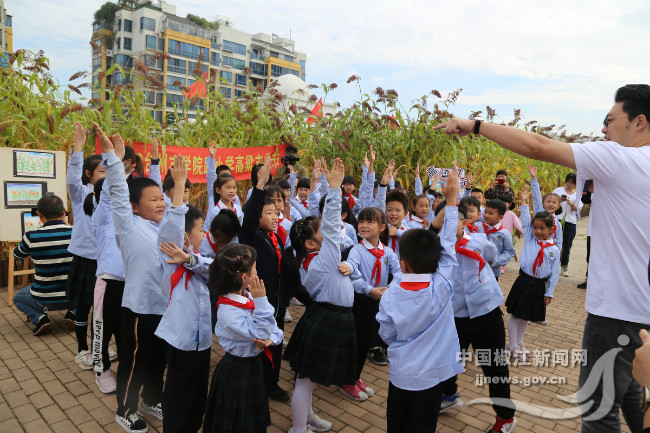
{"x": 6, "y": 35}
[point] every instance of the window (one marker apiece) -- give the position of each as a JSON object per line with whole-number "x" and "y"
{"x": 239, "y": 93}
{"x": 215, "y": 58}
{"x": 157, "y": 115}
{"x": 171, "y": 79}
{"x": 151, "y": 42}
{"x": 153, "y": 97}
{"x": 287, "y": 58}
{"x": 147, "y": 24}
{"x": 275, "y": 54}
{"x": 235, "y": 63}
{"x": 257, "y": 54}
{"x": 192, "y": 65}
{"x": 302, "y": 76}
{"x": 302, "y": 65}
{"x": 118, "y": 43}
{"x": 127, "y": 43}
{"x": 176, "y": 65}
{"x": 227, "y": 92}
{"x": 119, "y": 25}
{"x": 128, "y": 26}
{"x": 241, "y": 80}
{"x": 124, "y": 60}
{"x": 226, "y": 76}
{"x": 234, "y": 47}
{"x": 257, "y": 68}
{"x": 156, "y": 64}
{"x": 187, "y": 50}
{"x": 276, "y": 71}
{"x": 97, "y": 63}
{"x": 175, "y": 99}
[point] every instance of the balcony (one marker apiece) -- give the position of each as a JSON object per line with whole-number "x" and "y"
{"x": 103, "y": 25}
{"x": 8, "y": 21}
{"x": 256, "y": 56}
{"x": 188, "y": 29}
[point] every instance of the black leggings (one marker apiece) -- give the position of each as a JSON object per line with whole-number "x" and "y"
{"x": 567, "y": 241}
{"x": 81, "y": 326}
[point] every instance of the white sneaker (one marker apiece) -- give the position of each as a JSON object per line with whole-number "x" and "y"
{"x": 523, "y": 354}
{"x": 294, "y": 301}
{"x": 287, "y": 317}
{"x": 112, "y": 354}
{"x": 285, "y": 343}
{"x": 306, "y": 430}
{"x": 84, "y": 359}
{"x": 317, "y": 424}
{"x": 155, "y": 410}
{"x": 564, "y": 271}
{"x": 451, "y": 402}
{"x": 543, "y": 322}
{"x": 106, "y": 382}
{"x": 132, "y": 423}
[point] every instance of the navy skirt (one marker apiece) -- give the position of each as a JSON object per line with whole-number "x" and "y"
{"x": 80, "y": 288}
{"x": 526, "y": 298}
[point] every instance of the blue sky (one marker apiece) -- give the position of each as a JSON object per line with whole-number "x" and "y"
{"x": 559, "y": 62}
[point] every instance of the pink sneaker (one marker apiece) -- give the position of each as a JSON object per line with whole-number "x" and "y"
{"x": 362, "y": 386}
{"x": 354, "y": 392}
{"x": 106, "y": 382}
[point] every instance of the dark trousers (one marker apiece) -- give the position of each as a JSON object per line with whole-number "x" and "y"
{"x": 486, "y": 332}
{"x": 609, "y": 346}
{"x": 588, "y": 254}
{"x": 365, "y": 310}
{"x": 108, "y": 325}
{"x": 186, "y": 390}
{"x": 142, "y": 362}
{"x": 413, "y": 411}
{"x": 272, "y": 371}
{"x": 567, "y": 240}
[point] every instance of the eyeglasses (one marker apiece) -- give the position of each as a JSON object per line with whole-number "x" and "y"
{"x": 609, "y": 118}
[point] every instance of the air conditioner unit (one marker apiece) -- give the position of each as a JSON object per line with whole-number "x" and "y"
{"x": 109, "y": 52}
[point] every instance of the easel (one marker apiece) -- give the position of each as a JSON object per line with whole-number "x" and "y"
{"x": 25, "y": 272}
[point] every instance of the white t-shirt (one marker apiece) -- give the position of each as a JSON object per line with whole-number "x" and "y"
{"x": 618, "y": 285}
{"x": 572, "y": 215}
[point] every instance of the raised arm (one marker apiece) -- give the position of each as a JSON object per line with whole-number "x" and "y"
{"x": 75, "y": 166}
{"x": 525, "y": 214}
{"x": 253, "y": 210}
{"x": 535, "y": 191}
{"x": 172, "y": 228}
{"x": 330, "y": 251}
{"x": 447, "y": 264}
{"x": 211, "y": 175}
{"x": 525, "y": 143}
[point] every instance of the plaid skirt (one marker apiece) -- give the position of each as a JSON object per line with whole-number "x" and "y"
{"x": 526, "y": 298}
{"x": 80, "y": 288}
{"x": 323, "y": 346}
{"x": 237, "y": 401}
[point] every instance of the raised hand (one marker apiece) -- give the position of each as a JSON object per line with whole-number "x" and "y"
{"x": 388, "y": 173}
{"x": 366, "y": 161}
{"x": 533, "y": 171}
{"x": 263, "y": 173}
{"x": 118, "y": 143}
{"x": 317, "y": 171}
{"x": 470, "y": 181}
{"x": 79, "y": 136}
{"x": 179, "y": 174}
{"x": 451, "y": 189}
{"x": 178, "y": 256}
{"x": 154, "y": 149}
{"x": 335, "y": 177}
{"x": 524, "y": 195}
{"x": 104, "y": 141}
{"x": 417, "y": 170}
{"x": 256, "y": 287}
{"x": 212, "y": 150}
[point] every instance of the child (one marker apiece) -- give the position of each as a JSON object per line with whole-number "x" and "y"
{"x": 420, "y": 208}
{"x": 416, "y": 320}
{"x": 213, "y": 173}
{"x": 396, "y": 206}
{"x": 472, "y": 209}
{"x": 348, "y": 186}
{"x": 137, "y": 209}
{"x": 510, "y": 220}
{"x": 532, "y": 291}
{"x": 322, "y": 348}
{"x": 225, "y": 191}
{"x": 300, "y": 202}
{"x": 237, "y": 402}
{"x": 494, "y": 211}
{"x": 258, "y": 231}
{"x": 185, "y": 325}
{"x": 254, "y": 179}
{"x": 80, "y": 179}
{"x": 477, "y": 193}
{"x": 375, "y": 262}
{"x": 550, "y": 203}
{"x": 479, "y": 320}
{"x": 224, "y": 230}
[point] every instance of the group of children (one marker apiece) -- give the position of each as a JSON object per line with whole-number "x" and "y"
{"x": 377, "y": 272}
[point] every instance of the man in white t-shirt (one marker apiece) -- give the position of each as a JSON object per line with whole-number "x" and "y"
{"x": 618, "y": 294}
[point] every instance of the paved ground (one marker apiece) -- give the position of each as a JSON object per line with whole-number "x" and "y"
{"x": 43, "y": 390}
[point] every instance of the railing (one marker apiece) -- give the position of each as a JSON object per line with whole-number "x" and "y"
{"x": 186, "y": 28}
{"x": 256, "y": 56}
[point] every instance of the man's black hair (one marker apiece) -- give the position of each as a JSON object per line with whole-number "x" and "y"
{"x": 476, "y": 190}
{"x": 635, "y": 99}
{"x": 50, "y": 206}
{"x": 502, "y": 172}
{"x": 420, "y": 249}
{"x": 291, "y": 149}
{"x": 497, "y": 204}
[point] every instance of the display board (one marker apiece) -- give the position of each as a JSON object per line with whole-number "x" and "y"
{"x": 25, "y": 175}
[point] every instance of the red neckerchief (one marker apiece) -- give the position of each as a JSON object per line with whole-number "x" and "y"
{"x": 492, "y": 230}
{"x": 540, "y": 256}
{"x": 376, "y": 268}
{"x": 308, "y": 258}
{"x": 414, "y": 286}
{"x": 234, "y": 208}
{"x": 417, "y": 219}
{"x": 351, "y": 201}
{"x": 305, "y": 204}
{"x": 460, "y": 249}
{"x": 276, "y": 246}
{"x": 214, "y": 246}
{"x": 176, "y": 278}
{"x": 472, "y": 228}
{"x": 249, "y": 305}
{"x": 554, "y": 231}
{"x": 281, "y": 231}
{"x": 393, "y": 239}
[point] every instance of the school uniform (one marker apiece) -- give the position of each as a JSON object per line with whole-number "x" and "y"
{"x": 213, "y": 211}
{"x": 393, "y": 241}
{"x": 354, "y": 203}
{"x": 300, "y": 206}
{"x": 269, "y": 249}
{"x": 237, "y": 401}
{"x": 83, "y": 245}
{"x": 556, "y": 234}
{"x": 142, "y": 364}
{"x": 211, "y": 177}
{"x": 416, "y": 321}
{"x": 210, "y": 248}
{"x": 419, "y": 190}
{"x": 416, "y": 222}
{"x": 502, "y": 239}
{"x": 375, "y": 265}
{"x": 367, "y": 188}
{"x": 323, "y": 344}
{"x": 315, "y": 196}
{"x": 538, "y": 275}
{"x": 185, "y": 326}
{"x": 478, "y": 318}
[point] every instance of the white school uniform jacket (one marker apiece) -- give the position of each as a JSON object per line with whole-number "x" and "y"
{"x": 502, "y": 239}
{"x": 538, "y": 207}
{"x": 84, "y": 240}
{"x": 364, "y": 260}
{"x": 550, "y": 267}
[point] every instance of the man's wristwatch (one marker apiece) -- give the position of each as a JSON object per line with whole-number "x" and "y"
{"x": 477, "y": 126}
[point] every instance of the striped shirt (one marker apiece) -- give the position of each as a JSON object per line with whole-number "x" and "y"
{"x": 48, "y": 247}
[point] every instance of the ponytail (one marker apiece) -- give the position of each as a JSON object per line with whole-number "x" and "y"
{"x": 92, "y": 199}
{"x": 227, "y": 268}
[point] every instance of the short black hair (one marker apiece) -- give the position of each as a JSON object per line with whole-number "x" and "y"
{"x": 462, "y": 212}
{"x": 226, "y": 223}
{"x": 291, "y": 149}
{"x": 635, "y": 99}
{"x": 399, "y": 197}
{"x": 193, "y": 213}
{"x": 221, "y": 169}
{"x": 270, "y": 191}
{"x": 283, "y": 183}
{"x": 168, "y": 183}
{"x": 571, "y": 177}
{"x": 348, "y": 180}
{"x": 50, "y": 206}
{"x": 476, "y": 190}
{"x": 420, "y": 249}
{"x": 502, "y": 172}
{"x": 470, "y": 201}
{"x": 435, "y": 194}
{"x": 137, "y": 185}
{"x": 417, "y": 198}
{"x": 546, "y": 217}
{"x": 497, "y": 204}
{"x": 304, "y": 182}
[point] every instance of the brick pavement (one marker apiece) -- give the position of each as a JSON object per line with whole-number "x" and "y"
{"x": 43, "y": 390}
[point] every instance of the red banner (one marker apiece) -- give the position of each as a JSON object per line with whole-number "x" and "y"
{"x": 240, "y": 160}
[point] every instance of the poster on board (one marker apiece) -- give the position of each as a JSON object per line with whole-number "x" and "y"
{"x": 23, "y": 194}
{"x": 29, "y": 221}
{"x": 34, "y": 164}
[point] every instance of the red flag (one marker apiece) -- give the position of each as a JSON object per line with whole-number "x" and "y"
{"x": 391, "y": 123}
{"x": 316, "y": 113}
{"x": 198, "y": 88}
